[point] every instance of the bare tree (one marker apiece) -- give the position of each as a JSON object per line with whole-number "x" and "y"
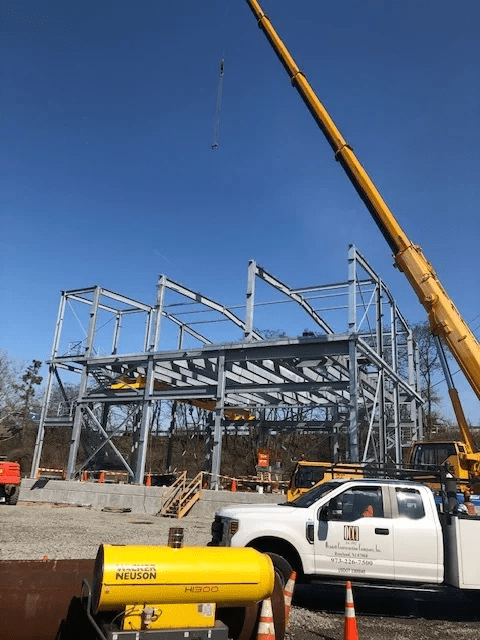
{"x": 430, "y": 367}
{"x": 10, "y": 402}
{"x": 25, "y": 389}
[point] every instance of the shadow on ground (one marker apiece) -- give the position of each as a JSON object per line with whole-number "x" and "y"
{"x": 452, "y": 605}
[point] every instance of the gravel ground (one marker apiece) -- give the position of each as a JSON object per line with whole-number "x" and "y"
{"x": 31, "y": 531}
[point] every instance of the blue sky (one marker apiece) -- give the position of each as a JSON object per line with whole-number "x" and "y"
{"x": 108, "y": 176}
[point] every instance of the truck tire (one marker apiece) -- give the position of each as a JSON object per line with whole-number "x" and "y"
{"x": 11, "y": 497}
{"x": 282, "y": 567}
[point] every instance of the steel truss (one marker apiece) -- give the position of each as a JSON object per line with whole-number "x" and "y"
{"x": 362, "y": 382}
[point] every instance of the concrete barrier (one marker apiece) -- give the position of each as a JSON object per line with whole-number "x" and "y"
{"x": 138, "y": 498}
{"x": 212, "y": 501}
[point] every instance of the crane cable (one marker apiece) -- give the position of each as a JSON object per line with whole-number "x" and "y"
{"x": 218, "y": 106}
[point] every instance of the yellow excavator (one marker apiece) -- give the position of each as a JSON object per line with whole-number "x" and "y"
{"x": 445, "y": 320}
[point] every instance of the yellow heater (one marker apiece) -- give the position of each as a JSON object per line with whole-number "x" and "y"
{"x": 127, "y": 576}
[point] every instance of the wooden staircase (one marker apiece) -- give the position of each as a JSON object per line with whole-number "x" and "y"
{"x": 180, "y": 497}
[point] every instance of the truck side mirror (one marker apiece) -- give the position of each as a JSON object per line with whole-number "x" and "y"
{"x": 323, "y": 513}
{"x": 331, "y": 511}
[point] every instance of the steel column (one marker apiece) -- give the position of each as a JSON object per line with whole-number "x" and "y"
{"x": 77, "y": 421}
{"x": 158, "y": 313}
{"x": 352, "y": 289}
{"x": 396, "y": 400}
{"x": 141, "y": 442}
{"x": 419, "y": 389}
{"x": 37, "y": 452}
{"x": 250, "y": 304}
{"x": 116, "y": 332}
{"x": 218, "y": 423}
{"x": 382, "y": 435}
{"x": 353, "y": 454}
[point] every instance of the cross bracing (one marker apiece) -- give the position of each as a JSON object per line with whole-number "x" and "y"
{"x": 361, "y": 378}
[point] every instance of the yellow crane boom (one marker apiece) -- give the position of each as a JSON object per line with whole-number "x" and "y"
{"x": 445, "y": 320}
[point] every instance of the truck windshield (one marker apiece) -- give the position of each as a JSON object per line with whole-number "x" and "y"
{"x": 307, "y": 499}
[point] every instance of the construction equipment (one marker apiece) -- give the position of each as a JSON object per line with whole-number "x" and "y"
{"x": 168, "y": 592}
{"x": 142, "y": 592}
{"x": 445, "y": 320}
{"x": 308, "y": 474}
{"x": 10, "y": 479}
{"x": 461, "y": 456}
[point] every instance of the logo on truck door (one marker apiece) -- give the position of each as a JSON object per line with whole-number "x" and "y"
{"x": 350, "y": 533}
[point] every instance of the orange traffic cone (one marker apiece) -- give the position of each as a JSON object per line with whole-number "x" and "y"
{"x": 288, "y": 595}
{"x": 84, "y": 476}
{"x": 266, "y": 629}
{"x": 234, "y": 485}
{"x": 148, "y": 481}
{"x": 101, "y": 477}
{"x": 350, "y": 628}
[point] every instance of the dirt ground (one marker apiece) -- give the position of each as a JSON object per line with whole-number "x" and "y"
{"x": 32, "y": 531}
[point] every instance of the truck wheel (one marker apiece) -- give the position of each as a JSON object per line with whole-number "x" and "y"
{"x": 282, "y": 568}
{"x": 11, "y": 497}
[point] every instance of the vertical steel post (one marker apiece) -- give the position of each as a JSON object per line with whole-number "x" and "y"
{"x": 207, "y": 458}
{"x": 161, "y": 286}
{"x": 218, "y": 423}
{"x": 250, "y": 304}
{"x": 171, "y": 431}
{"x": 148, "y": 329}
{"x": 173, "y": 415}
{"x": 381, "y": 372}
{"x": 116, "y": 332}
{"x": 352, "y": 289}
{"x": 77, "y": 421}
{"x": 37, "y": 452}
{"x": 396, "y": 397}
{"x": 335, "y": 446}
{"x": 141, "y": 441}
{"x": 353, "y": 455}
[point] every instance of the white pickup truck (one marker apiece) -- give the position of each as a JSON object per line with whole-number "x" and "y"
{"x": 386, "y": 531}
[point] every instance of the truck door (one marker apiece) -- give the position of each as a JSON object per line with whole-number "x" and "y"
{"x": 354, "y": 536}
{"x": 417, "y": 537}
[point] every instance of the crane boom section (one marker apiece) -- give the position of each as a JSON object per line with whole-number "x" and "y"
{"x": 444, "y": 318}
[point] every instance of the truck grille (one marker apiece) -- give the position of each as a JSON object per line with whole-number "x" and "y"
{"x": 217, "y": 532}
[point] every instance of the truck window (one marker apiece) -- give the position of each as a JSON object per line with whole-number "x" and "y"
{"x": 358, "y": 502}
{"x": 410, "y": 504}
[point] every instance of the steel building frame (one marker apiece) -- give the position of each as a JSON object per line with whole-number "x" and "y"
{"x": 362, "y": 382}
